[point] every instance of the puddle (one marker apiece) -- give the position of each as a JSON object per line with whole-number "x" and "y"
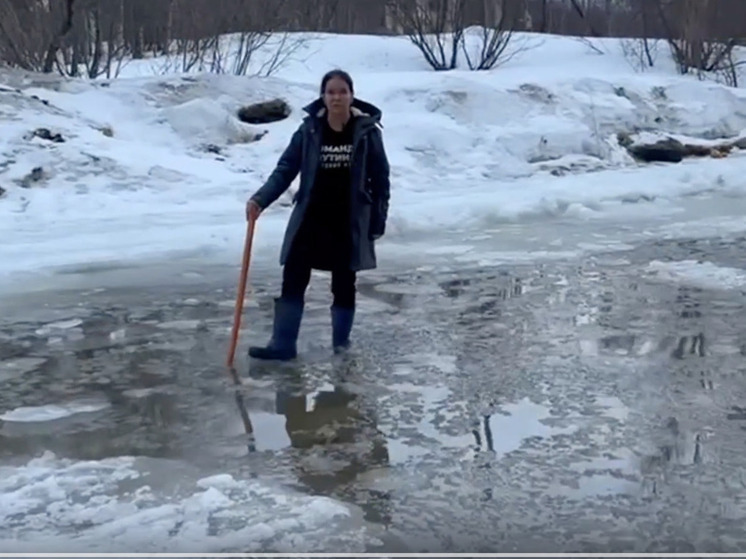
{"x": 281, "y": 417}
{"x": 505, "y": 433}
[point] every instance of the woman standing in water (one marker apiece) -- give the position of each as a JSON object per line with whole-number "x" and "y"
{"x": 340, "y": 209}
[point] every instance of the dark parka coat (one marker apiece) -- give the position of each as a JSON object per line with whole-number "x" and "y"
{"x": 369, "y": 174}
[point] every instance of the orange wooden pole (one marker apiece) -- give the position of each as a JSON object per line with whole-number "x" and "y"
{"x": 241, "y": 292}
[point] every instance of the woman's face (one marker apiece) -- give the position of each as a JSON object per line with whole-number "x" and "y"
{"x": 337, "y": 96}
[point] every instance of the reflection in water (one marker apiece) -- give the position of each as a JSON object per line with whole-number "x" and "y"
{"x": 243, "y": 412}
{"x": 690, "y": 345}
{"x": 506, "y": 432}
{"x": 739, "y": 413}
{"x": 322, "y": 418}
{"x": 336, "y": 440}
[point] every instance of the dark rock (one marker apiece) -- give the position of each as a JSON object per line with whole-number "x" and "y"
{"x": 2, "y": 191}
{"x": 668, "y": 150}
{"x": 740, "y": 143}
{"x": 212, "y": 148}
{"x": 37, "y": 98}
{"x": 45, "y": 134}
{"x": 624, "y": 139}
{"x": 698, "y": 151}
{"x": 638, "y": 199}
{"x": 265, "y": 112}
{"x": 36, "y": 174}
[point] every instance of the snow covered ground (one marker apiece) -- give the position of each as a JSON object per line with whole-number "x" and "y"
{"x": 470, "y": 151}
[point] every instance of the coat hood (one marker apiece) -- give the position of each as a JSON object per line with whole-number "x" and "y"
{"x": 360, "y": 108}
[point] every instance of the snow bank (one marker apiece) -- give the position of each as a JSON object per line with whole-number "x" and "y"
{"x": 534, "y": 137}
{"x": 109, "y": 506}
{"x": 206, "y": 121}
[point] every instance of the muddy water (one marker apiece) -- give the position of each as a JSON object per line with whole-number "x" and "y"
{"x": 564, "y": 405}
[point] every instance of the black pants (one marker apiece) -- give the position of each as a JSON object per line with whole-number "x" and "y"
{"x": 297, "y": 274}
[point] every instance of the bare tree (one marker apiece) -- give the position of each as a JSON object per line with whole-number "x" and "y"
{"x": 319, "y": 15}
{"x": 66, "y": 25}
{"x": 582, "y": 10}
{"x": 95, "y": 45}
{"x": 435, "y": 27}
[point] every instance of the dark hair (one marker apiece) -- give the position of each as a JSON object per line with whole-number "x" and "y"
{"x": 341, "y": 74}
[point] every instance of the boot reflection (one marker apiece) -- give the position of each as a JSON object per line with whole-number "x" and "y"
{"x": 340, "y": 452}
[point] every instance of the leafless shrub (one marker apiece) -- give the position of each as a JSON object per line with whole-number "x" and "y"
{"x": 240, "y": 54}
{"x": 32, "y": 31}
{"x": 231, "y": 37}
{"x": 491, "y": 44}
{"x": 693, "y": 41}
{"x": 592, "y": 45}
{"x": 641, "y": 50}
{"x": 582, "y": 8}
{"x": 487, "y": 47}
{"x": 23, "y": 45}
{"x": 285, "y": 47}
{"x": 435, "y": 27}
{"x": 704, "y": 57}
{"x": 640, "y": 53}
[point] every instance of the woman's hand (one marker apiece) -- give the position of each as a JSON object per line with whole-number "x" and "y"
{"x": 253, "y": 210}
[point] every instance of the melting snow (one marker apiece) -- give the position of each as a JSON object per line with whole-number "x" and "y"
{"x": 51, "y": 505}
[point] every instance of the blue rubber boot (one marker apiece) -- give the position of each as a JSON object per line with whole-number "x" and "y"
{"x": 342, "y": 320}
{"x": 283, "y": 344}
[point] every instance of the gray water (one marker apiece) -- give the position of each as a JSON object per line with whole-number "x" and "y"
{"x": 562, "y": 404}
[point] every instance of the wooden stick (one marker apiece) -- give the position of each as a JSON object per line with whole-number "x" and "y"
{"x": 241, "y": 291}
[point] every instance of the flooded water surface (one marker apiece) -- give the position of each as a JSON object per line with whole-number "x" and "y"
{"x": 578, "y": 405}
